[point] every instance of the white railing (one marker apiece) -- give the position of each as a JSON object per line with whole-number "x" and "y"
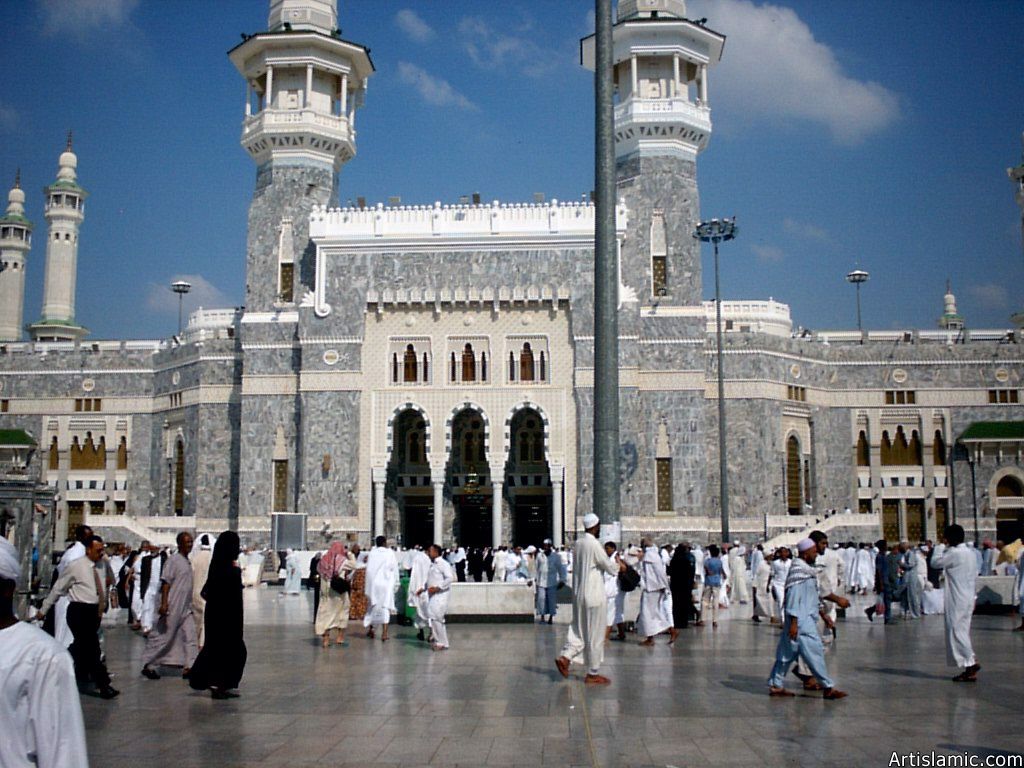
{"x": 295, "y": 117}
{"x": 667, "y": 110}
{"x": 910, "y": 336}
{"x": 867, "y": 520}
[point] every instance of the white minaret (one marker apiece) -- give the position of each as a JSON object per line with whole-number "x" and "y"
{"x": 951, "y": 320}
{"x": 15, "y": 242}
{"x": 64, "y": 212}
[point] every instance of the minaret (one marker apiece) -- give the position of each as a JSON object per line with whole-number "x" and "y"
{"x": 662, "y": 122}
{"x": 1017, "y": 177}
{"x": 303, "y": 87}
{"x": 64, "y": 212}
{"x": 15, "y": 242}
{"x": 951, "y": 320}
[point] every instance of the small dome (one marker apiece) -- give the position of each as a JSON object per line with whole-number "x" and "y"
{"x": 68, "y": 159}
{"x": 16, "y": 195}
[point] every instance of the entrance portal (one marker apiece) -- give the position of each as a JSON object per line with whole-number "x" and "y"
{"x": 528, "y": 480}
{"x": 531, "y": 520}
{"x": 417, "y": 521}
{"x": 472, "y": 527}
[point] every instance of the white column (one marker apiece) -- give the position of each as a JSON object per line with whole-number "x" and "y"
{"x": 496, "y": 532}
{"x": 308, "y": 101}
{"x": 248, "y": 98}
{"x": 634, "y": 76}
{"x": 439, "y": 512}
{"x": 343, "y": 96}
{"x": 268, "y": 97}
{"x": 704, "y": 84}
{"x": 556, "y": 506}
{"x": 675, "y": 75}
{"x": 378, "y": 508}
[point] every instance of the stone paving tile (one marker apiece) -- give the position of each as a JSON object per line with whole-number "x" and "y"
{"x": 703, "y": 702}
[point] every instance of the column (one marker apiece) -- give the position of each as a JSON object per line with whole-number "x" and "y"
{"x": 496, "y": 532}
{"x": 928, "y": 481}
{"x": 675, "y": 75}
{"x": 438, "y": 511}
{"x": 343, "y": 96}
{"x": 248, "y": 98}
{"x": 903, "y": 519}
{"x": 308, "y": 101}
{"x": 556, "y": 506}
{"x": 634, "y": 78}
{"x": 704, "y": 85}
{"x": 268, "y": 96}
{"x": 378, "y": 503}
{"x": 109, "y": 477}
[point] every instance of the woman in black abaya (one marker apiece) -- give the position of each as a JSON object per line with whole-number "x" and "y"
{"x": 220, "y": 664}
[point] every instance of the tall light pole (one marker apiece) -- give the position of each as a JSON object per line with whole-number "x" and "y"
{"x": 716, "y": 231}
{"x": 180, "y": 287}
{"x": 857, "y": 277}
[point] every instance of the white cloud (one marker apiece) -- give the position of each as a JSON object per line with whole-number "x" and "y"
{"x": 805, "y": 230}
{"x": 160, "y": 298}
{"x": 491, "y": 49}
{"x": 433, "y": 90}
{"x": 8, "y": 117}
{"x": 768, "y": 254}
{"x": 80, "y": 17}
{"x": 413, "y": 25}
{"x": 990, "y": 295}
{"x": 774, "y": 68}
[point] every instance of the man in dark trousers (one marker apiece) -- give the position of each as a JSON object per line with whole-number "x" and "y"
{"x": 81, "y": 583}
{"x": 682, "y": 569}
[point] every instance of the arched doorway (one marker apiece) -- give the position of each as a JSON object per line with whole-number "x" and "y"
{"x": 468, "y": 476}
{"x": 1009, "y": 508}
{"x": 179, "y": 477}
{"x": 528, "y": 479}
{"x": 794, "y": 484}
{"x": 408, "y": 480}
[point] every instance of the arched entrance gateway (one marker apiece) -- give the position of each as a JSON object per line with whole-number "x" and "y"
{"x": 528, "y": 479}
{"x": 408, "y": 479}
{"x": 468, "y": 478}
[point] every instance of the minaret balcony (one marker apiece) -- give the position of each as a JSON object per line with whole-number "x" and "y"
{"x": 672, "y": 122}
{"x": 274, "y": 133}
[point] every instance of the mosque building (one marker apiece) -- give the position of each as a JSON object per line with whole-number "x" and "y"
{"x": 426, "y": 371}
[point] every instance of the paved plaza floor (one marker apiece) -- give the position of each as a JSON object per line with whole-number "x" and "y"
{"x": 495, "y": 699}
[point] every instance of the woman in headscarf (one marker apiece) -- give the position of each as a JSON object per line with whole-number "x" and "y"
{"x": 220, "y": 664}
{"x": 334, "y": 606}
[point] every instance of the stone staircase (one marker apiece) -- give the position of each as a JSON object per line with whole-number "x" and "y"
{"x": 857, "y": 526}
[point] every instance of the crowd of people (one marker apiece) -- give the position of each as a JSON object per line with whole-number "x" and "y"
{"x": 185, "y": 602}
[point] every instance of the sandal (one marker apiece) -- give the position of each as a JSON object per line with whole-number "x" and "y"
{"x": 781, "y": 692}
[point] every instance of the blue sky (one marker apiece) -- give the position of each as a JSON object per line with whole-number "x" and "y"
{"x": 870, "y": 134}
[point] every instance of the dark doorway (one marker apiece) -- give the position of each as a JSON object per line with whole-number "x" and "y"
{"x": 1010, "y": 525}
{"x": 418, "y": 521}
{"x": 531, "y": 520}
{"x": 472, "y": 527}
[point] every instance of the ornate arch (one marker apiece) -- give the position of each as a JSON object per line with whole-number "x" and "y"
{"x": 1015, "y": 472}
{"x": 507, "y": 439}
{"x": 395, "y": 414}
{"x": 466, "y": 405}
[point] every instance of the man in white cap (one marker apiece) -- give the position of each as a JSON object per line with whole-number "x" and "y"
{"x": 800, "y": 626}
{"x": 589, "y": 604}
{"x": 40, "y": 713}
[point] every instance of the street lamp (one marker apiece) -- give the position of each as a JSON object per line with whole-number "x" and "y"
{"x": 716, "y": 231}
{"x": 180, "y": 287}
{"x": 857, "y": 277}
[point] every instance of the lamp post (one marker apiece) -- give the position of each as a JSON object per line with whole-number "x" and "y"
{"x": 974, "y": 493}
{"x": 716, "y": 231}
{"x": 180, "y": 287}
{"x": 857, "y": 277}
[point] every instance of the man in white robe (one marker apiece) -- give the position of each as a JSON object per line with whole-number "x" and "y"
{"x": 961, "y": 571}
{"x": 437, "y": 590}
{"x": 200, "y": 570}
{"x": 738, "y": 574}
{"x": 292, "y": 574}
{"x": 913, "y": 582}
{"x": 698, "y": 583}
{"x": 780, "y": 571}
{"x": 723, "y": 591}
{"x": 419, "y": 564}
{"x": 381, "y": 582}
{"x": 41, "y": 722}
{"x": 173, "y": 639}
{"x": 500, "y": 564}
{"x": 654, "y": 586}
{"x": 151, "y": 596}
{"x": 864, "y": 570}
{"x": 512, "y": 561}
{"x": 589, "y": 604}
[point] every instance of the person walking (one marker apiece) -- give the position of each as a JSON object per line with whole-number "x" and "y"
{"x": 173, "y": 639}
{"x": 681, "y": 571}
{"x": 332, "y": 614}
{"x": 714, "y": 578}
{"x": 220, "y": 664}
{"x": 589, "y": 604}
{"x": 551, "y": 575}
{"x": 958, "y": 562}
{"x": 438, "y": 588}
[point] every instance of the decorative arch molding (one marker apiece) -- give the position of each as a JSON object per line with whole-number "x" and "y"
{"x": 395, "y": 414}
{"x": 1000, "y": 474}
{"x": 506, "y": 445}
{"x": 467, "y": 405}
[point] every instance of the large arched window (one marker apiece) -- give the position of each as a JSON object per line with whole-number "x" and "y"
{"x": 1009, "y": 486}
{"x": 483, "y": 366}
{"x": 886, "y": 452}
{"x": 914, "y": 449}
{"x": 122, "y": 453}
{"x": 526, "y": 372}
{"x": 939, "y": 449}
{"x": 54, "y": 454}
{"x": 468, "y": 363}
{"x": 863, "y": 451}
{"x": 794, "y": 495}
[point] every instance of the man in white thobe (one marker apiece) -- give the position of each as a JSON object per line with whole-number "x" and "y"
{"x": 419, "y": 564}
{"x": 151, "y": 595}
{"x": 780, "y": 571}
{"x": 513, "y": 558}
{"x": 40, "y": 712}
{"x": 864, "y": 569}
{"x": 589, "y": 604}
{"x": 292, "y": 575}
{"x": 913, "y": 582}
{"x": 200, "y": 570}
{"x": 437, "y": 590}
{"x": 738, "y": 574}
{"x": 654, "y": 586}
{"x": 60, "y": 611}
{"x": 381, "y": 581}
{"x": 500, "y": 564}
{"x": 961, "y": 570}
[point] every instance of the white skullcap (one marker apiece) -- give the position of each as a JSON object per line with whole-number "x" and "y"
{"x": 590, "y": 520}
{"x": 530, "y": 549}
{"x": 548, "y": 541}
{"x": 10, "y": 566}
{"x": 804, "y": 544}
